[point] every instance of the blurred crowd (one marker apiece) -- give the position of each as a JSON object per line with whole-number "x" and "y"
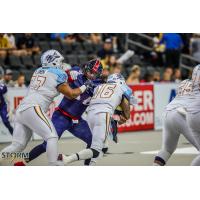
{"x": 166, "y": 52}
{"x": 7, "y": 79}
{"x": 169, "y": 75}
{"x": 25, "y": 45}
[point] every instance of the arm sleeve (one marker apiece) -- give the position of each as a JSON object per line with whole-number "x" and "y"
{"x": 127, "y": 92}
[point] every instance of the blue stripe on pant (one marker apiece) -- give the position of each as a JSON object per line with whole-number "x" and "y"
{"x": 62, "y": 123}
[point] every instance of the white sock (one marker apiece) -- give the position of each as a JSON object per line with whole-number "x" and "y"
{"x": 82, "y": 155}
{"x": 52, "y": 151}
{"x": 85, "y": 154}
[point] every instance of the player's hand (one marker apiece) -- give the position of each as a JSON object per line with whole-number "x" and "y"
{"x": 89, "y": 86}
{"x": 122, "y": 120}
{"x": 73, "y": 74}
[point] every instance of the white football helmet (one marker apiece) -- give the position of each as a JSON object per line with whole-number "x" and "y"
{"x": 116, "y": 78}
{"x": 52, "y": 58}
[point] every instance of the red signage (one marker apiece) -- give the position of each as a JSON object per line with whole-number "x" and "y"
{"x": 142, "y": 115}
{"x": 17, "y": 101}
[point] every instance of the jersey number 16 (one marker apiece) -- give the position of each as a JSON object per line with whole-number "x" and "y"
{"x": 105, "y": 91}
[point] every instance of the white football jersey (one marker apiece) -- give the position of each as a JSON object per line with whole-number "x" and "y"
{"x": 196, "y": 80}
{"x": 108, "y": 96}
{"x": 184, "y": 95}
{"x": 194, "y": 105}
{"x": 43, "y": 88}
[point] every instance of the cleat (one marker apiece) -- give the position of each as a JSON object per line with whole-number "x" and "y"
{"x": 105, "y": 150}
{"x": 21, "y": 163}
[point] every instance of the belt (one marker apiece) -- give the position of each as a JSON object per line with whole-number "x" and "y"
{"x": 66, "y": 113}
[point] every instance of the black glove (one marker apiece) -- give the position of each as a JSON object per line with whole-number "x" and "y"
{"x": 114, "y": 129}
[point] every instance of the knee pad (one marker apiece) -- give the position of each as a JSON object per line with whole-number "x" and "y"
{"x": 95, "y": 153}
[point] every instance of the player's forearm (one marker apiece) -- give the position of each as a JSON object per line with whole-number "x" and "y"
{"x": 127, "y": 114}
{"x": 125, "y": 105}
{"x": 74, "y": 93}
{"x": 70, "y": 93}
{"x": 67, "y": 91}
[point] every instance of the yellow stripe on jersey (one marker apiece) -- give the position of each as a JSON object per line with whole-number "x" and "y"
{"x": 42, "y": 116}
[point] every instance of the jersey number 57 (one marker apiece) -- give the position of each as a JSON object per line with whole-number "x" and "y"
{"x": 37, "y": 82}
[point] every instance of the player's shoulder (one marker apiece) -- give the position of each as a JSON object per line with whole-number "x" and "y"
{"x": 53, "y": 73}
{"x": 59, "y": 73}
{"x": 125, "y": 89}
{"x": 56, "y": 71}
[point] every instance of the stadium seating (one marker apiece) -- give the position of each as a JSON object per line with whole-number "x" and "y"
{"x": 72, "y": 59}
{"x": 82, "y": 58}
{"x": 97, "y": 47}
{"x": 15, "y": 62}
{"x": 56, "y": 45}
{"x": 2, "y": 62}
{"x": 67, "y": 48}
{"x": 43, "y": 36}
{"x": 27, "y": 61}
{"x": 36, "y": 59}
{"x": 44, "y": 45}
{"x": 77, "y": 48}
{"x": 88, "y": 47}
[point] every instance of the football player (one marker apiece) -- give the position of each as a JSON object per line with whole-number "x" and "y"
{"x": 193, "y": 110}
{"x": 47, "y": 82}
{"x": 102, "y": 105}
{"x": 68, "y": 115}
{"x": 4, "y": 108}
{"x": 175, "y": 123}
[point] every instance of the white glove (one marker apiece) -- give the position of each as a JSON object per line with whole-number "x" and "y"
{"x": 73, "y": 74}
{"x": 66, "y": 66}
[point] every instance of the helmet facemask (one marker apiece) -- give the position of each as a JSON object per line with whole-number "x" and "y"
{"x": 93, "y": 69}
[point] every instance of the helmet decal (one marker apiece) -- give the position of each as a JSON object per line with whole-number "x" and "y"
{"x": 52, "y": 58}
